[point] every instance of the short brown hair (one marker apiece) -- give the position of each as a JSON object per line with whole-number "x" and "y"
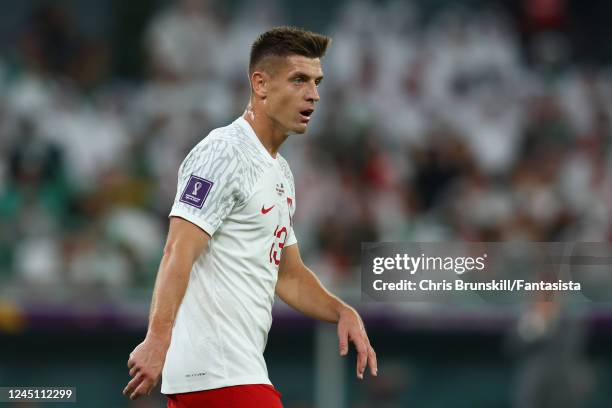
{"x": 285, "y": 41}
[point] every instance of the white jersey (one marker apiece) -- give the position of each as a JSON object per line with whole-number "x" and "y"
{"x": 232, "y": 188}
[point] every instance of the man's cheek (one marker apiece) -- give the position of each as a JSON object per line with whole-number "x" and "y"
{"x": 285, "y": 105}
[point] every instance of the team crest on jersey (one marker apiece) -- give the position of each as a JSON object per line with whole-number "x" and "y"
{"x": 280, "y": 189}
{"x": 196, "y": 191}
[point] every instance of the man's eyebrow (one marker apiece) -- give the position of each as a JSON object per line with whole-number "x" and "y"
{"x": 300, "y": 74}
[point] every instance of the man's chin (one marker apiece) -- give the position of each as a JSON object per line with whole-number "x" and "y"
{"x": 300, "y": 129}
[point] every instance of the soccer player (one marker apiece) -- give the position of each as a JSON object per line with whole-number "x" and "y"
{"x": 231, "y": 247}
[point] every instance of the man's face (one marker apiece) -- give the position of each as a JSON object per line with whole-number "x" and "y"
{"x": 292, "y": 92}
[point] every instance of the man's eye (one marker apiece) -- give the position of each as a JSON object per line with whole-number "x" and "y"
{"x": 298, "y": 80}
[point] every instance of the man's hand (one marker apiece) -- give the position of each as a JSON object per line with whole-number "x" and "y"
{"x": 145, "y": 364}
{"x": 350, "y": 328}
{"x": 301, "y": 289}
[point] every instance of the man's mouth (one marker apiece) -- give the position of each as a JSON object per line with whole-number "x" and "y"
{"x": 305, "y": 115}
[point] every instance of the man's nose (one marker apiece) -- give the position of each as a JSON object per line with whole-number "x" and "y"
{"x": 313, "y": 94}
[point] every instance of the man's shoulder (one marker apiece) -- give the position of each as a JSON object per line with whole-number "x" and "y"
{"x": 231, "y": 143}
{"x": 231, "y": 134}
{"x": 221, "y": 140}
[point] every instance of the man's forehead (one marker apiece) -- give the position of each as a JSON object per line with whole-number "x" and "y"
{"x": 305, "y": 65}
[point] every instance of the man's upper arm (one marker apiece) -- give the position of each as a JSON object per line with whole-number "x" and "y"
{"x": 290, "y": 266}
{"x": 290, "y": 260}
{"x": 186, "y": 237}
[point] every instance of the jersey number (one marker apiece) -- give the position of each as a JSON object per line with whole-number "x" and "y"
{"x": 280, "y": 236}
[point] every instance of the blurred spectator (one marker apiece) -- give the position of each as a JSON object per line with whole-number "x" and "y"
{"x": 181, "y": 41}
{"x": 552, "y": 370}
{"x": 429, "y": 129}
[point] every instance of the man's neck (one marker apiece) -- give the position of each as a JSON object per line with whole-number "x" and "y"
{"x": 269, "y": 135}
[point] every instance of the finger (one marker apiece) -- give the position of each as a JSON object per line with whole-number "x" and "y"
{"x": 134, "y": 370}
{"x": 153, "y": 386}
{"x": 373, "y": 362}
{"x": 133, "y": 384}
{"x": 144, "y": 388}
{"x": 130, "y": 362}
{"x": 362, "y": 357}
{"x": 343, "y": 340}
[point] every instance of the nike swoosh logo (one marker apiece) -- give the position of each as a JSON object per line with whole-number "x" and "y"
{"x": 266, "y": 210}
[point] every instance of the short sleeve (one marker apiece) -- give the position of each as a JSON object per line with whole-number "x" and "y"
{"x": 291, "y": 199}
{"x": 291, "y": 238}
{"x": 208, "y": 185}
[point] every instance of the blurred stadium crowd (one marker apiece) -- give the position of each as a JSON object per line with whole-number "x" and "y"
{"x": 426, "y": 131}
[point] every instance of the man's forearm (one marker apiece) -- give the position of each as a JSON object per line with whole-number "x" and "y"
{"x": 303, "y": 291}
{"x": 170, "y": 286}
{"x": 184, "y": 245}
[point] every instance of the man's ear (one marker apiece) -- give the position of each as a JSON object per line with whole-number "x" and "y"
{"x": 259, "y": 83}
